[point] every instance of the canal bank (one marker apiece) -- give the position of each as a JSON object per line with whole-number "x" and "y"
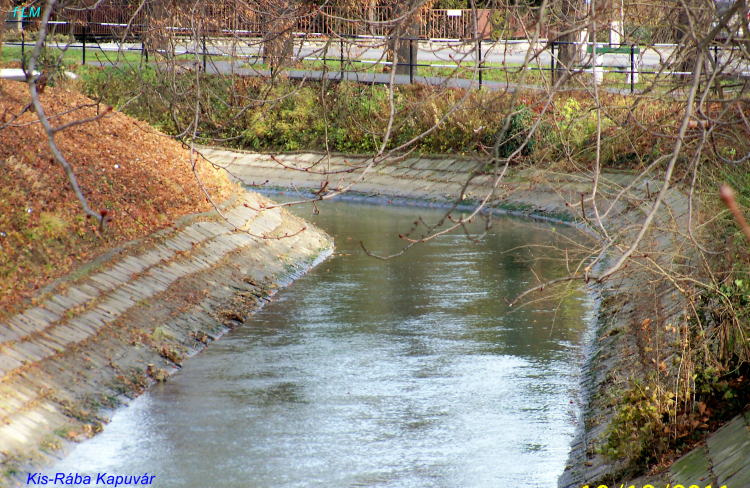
{"x": 103, "y": 335}
{"x": 633, "y": 311}
{"x": 400, "y": 372}
{"x": 639, "y": 331}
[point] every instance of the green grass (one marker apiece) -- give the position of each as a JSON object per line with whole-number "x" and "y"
{"x": 74, "y": 56}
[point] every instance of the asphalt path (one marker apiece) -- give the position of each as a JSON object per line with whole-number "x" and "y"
{"x": 369, "y": 78}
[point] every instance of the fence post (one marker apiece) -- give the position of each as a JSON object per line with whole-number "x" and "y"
{"x": 23, "y": 42}
{"x": 552, "y": 62}
{"x": 144, "y": 42}
{"x": 341, "y": 57}
{"x": 411, "y": 57}
{"x": 632, "y": 68}
{"x": 717, "y": 84}
{"x": 204, "y": 49}
{"x": 84, "y": 44}
{"x": 480, "y": 63}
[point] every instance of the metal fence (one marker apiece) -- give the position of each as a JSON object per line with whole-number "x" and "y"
{"x": 122, "y": 19}
{"x": 347, "y": 63}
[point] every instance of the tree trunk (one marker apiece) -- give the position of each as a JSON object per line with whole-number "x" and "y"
{"x": 407, "y": 34}
{"x": 701, "y": 25}
{"x": 568, "y": 52}
{"x": 278, "y": 40}
{"x": 371, "y": 16}
{"x": 278, "y": 45}
{"x": 156, "y": 37}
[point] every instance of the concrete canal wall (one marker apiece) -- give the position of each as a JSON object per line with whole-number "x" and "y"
{"x": 129, "y": 319}
{"x": 630, "y": 339}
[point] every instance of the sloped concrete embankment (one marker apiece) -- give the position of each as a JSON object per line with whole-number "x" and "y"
{"x": 104, "y": 335}
{"x": 630, "y": 336}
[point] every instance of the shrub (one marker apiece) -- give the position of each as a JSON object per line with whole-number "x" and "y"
{"x": 634, "y": 432}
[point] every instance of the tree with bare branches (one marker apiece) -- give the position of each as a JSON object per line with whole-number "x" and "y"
{"x": 675, "y": 117}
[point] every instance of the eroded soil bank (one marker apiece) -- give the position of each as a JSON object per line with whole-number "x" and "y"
{"x": 641, "y": 324}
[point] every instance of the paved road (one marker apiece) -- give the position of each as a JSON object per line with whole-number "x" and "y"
{"x": 369, "y": 78}
{"x": 363, "y": 52}
{"x": 435, "y": 53}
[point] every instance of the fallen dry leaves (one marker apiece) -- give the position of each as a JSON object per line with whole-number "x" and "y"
{"x": 142, "y": 179}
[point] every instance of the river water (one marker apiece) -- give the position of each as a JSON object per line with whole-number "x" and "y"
{"x": 411, "y": 372}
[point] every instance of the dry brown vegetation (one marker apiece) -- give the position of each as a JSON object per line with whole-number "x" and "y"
{"x": 142, "y": 179}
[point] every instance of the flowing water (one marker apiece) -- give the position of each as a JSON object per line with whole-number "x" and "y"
{"x": 411, "y": 372}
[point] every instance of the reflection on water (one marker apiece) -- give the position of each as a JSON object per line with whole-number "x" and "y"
{"x": 411, "y": 372}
